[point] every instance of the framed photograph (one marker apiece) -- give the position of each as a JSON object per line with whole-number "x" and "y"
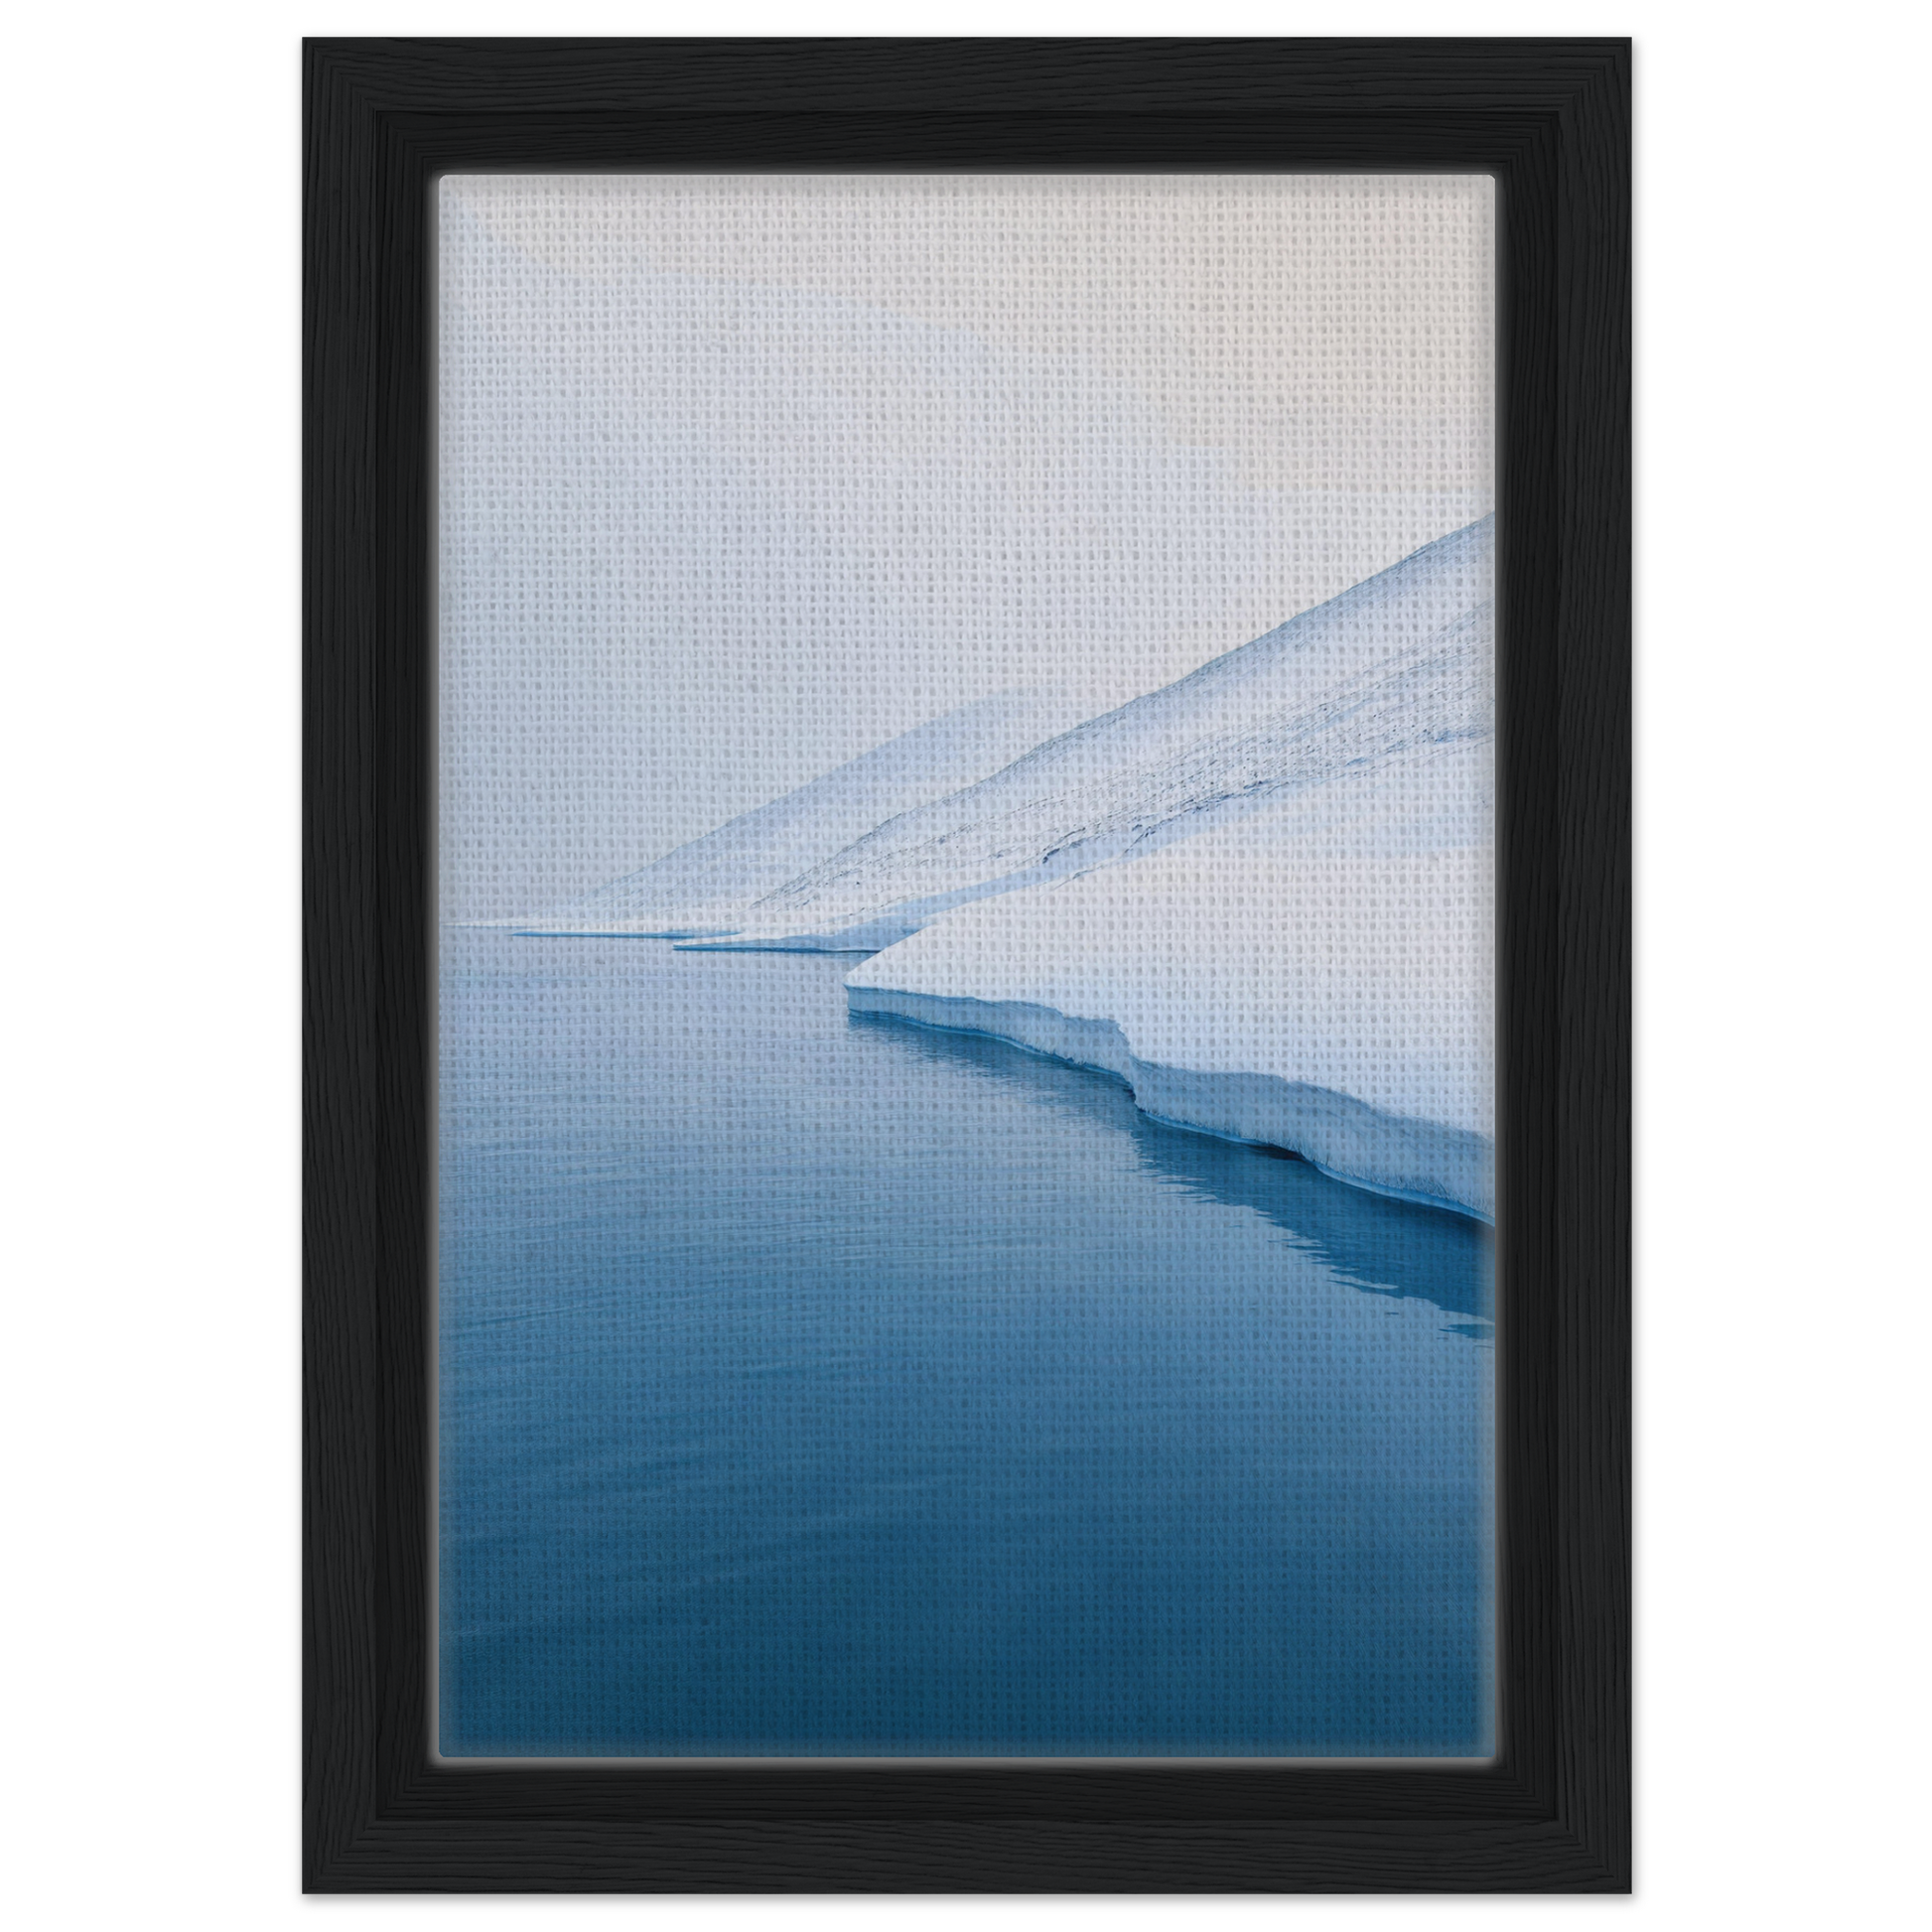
{"x": 967, "y": 951}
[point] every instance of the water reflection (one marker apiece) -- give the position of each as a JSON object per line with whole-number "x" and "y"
{"x": 1386, "y": 1246}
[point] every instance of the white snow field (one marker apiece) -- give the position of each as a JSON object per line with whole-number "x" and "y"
{"x": 1317, "y": 978}
{"x": 707, "y": 884}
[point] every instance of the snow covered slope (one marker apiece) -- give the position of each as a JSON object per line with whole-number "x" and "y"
{"x": 1399, "y": 663}
{"x": 1318, "y": 977}
{"x": 707, "y": 885}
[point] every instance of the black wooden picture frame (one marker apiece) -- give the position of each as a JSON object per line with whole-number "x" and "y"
{"x": 1550, "y": 120}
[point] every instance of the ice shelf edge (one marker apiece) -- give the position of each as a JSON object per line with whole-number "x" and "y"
{"x": 1418, "y": 1160}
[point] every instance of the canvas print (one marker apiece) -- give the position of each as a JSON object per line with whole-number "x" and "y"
{"x": 966, "y": 1132}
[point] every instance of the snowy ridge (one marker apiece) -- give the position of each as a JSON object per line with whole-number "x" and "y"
{"x": 1399, "y": 663}
{"x": 707, "y": 885}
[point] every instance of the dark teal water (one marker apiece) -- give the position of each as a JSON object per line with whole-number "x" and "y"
{"x": 814, "y": 1385}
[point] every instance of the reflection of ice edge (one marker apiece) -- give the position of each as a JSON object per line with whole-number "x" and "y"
{"x": 1345, "y": 1139}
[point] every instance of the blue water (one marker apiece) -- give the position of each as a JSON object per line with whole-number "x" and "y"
{"x": 821, "y": 1385}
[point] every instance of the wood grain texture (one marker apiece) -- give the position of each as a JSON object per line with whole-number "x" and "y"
{"x": 1551, "y": 120}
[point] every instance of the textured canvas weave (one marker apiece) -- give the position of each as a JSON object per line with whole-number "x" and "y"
{"x": 966, "y": 866}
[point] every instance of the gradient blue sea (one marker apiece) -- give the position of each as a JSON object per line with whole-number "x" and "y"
{"x": 814, "y": 1385}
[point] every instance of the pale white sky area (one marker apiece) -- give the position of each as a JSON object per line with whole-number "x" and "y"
{"x": 739, "y": 477}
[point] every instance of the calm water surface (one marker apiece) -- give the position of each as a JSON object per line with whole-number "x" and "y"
{"x": 814, "y": 1385}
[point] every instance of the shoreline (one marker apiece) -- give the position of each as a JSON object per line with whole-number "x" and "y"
{"x": 1420, "y": 1162}
{"x": 1423, "y": 1163}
